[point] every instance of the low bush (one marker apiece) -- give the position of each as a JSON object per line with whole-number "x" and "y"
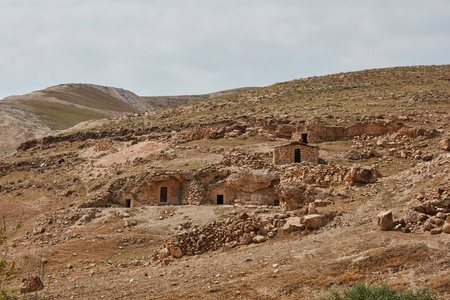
{"x": 361, "y": 291}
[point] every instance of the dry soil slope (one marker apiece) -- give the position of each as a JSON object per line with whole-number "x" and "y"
{"x": 162, "y": 101}
{"x": 60, "y": 107}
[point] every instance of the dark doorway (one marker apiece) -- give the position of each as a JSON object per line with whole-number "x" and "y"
{"x": 297, "y": 156}
{"x": 305, "y": 138}
{"x": 163, "y": 196}
{"x": 219, "y": 199}
{"x": 128, "y": 203}
{"x": 276, "y": 202}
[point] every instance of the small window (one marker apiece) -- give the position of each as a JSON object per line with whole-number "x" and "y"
{"x": 128, "y": 203}
{"x": 163, "y": 196}
{"x": 219, "y": 199}
{"x": 305, "y": 138}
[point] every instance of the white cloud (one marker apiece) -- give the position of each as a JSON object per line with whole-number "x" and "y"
{"x": 181, "y": 47}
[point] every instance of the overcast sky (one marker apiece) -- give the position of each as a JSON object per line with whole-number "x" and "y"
{"x": 165, "y": 47}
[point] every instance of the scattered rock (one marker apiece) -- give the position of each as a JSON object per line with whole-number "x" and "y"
{"x": 176, "y": 252}
{"x": 385, "y": 220}
{"x": 445, "y": 144}
{"x": 437, "y": 230}
{"x": 293, "y": 224}
{"x": 446, "y": 228}
{"x": 361, "y": 174}
{"x": 314, "y": 221}
{"x": 31, "y": 284}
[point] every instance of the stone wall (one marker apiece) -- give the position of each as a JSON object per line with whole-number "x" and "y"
{"x": 286, "y": 154}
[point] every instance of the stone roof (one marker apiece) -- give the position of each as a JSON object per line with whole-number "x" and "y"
{"x": 296, "y": 143}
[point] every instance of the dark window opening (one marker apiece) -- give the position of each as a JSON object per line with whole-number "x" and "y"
{"x": 297, "y": 156}
{"x": 128, "y": 203}
{"x": 276, "y": 202}
{"x": 163, "y": 196}
{"x": 219, "y": 199}
{"x": 305, "y": 138}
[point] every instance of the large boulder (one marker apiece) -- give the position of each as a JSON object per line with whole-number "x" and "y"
{"x": 250, "y": 181}
{"x": 314, "y": 221}
{"x": 385, "y": 220}
{"x": 445, "y": 144}
{"x": 360, "y": 174}
{"x": 293, "y": 224}
{"x": 31, "y": 284}
{"x": 446, "y": 228}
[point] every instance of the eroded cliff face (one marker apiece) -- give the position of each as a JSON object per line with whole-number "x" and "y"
{"x": 290, "y": 186}
{"x": 208, "y": 186}
{"x": 327, "y": 133}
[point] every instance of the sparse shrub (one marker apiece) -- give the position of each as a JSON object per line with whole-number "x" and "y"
{"x": 6, "y": 269}
{"x": 361, "y": 291}
{"x": 19, "y": 225}
{"x": 97, "y": 186}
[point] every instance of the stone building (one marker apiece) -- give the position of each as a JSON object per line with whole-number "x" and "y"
{"x": 244, "y": 186}
{"x": 295, "y": 152}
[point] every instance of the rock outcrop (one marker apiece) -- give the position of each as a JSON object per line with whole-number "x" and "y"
{"x": 31, "y": 284}
{"x": 360, "y": 174}
{"x": 445, "y": 144}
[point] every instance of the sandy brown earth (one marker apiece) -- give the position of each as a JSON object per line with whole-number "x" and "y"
{"x": 106, "y": 252}
{"x": 288, "y": 267}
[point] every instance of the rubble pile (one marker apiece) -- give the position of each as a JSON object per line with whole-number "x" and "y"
{"x": 237, "y": 230}
{"x": 52, "y": 225}
{"x": 8, "y": 188}
{"x": 429, "y": 212}
{"x": 401, "y": 144}
{"x": 199, "y": 133}
{"x": 26, "y": 164}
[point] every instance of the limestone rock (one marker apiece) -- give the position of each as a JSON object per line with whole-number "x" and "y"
{"x": 230, "y": 245}
{"x": 176, "y": 252}
{"x": 163, "y": 253}
{"x": 385, "y": 220}
{"x": 445, "y": 144}
{"x": 245, "y": 239}
{"x": 293, "y": 224}
{"x": 259, "y": 239}
{"x": 312, "y": 209}
{"x": 361, "y": 174}
{"x": 436, "y": 230}
{"x": 31, "y": 284}
{"x": 446, "y": 228}
{"x": 314, "y": 221}
{"x": 251, "y": 181}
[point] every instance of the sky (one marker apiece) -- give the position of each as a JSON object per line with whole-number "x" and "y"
{"x": 176, "y": 47}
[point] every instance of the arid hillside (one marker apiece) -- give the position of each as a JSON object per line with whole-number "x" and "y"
{"x": 60, "y": 107}
{"x": 289, "y": 191}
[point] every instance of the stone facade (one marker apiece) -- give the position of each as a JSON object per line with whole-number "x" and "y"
{"x": 243, "y": 186}
{"x": 295, "y": 152}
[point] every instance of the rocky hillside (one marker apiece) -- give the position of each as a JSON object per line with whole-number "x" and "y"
{"x": 188, "y": 200}
{"x": 60, "y": 107}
